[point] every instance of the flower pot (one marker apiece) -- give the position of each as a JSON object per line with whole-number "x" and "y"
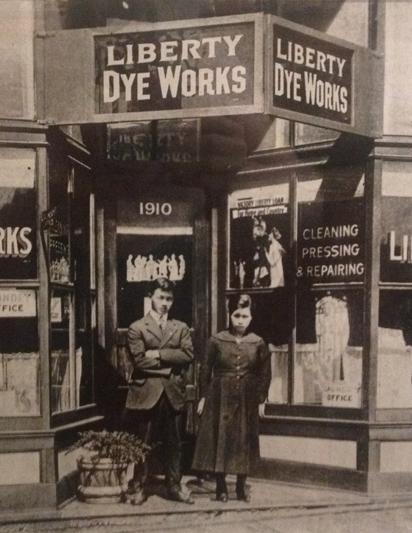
{"x": 102, "y": 481}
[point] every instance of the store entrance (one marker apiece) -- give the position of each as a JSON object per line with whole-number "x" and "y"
{"x": 150, "y": 234}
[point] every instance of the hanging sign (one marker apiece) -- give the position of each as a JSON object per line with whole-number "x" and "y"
{"x": 311, "y": 75}
{"x": 244, "y": 64}
{"x": 321, "y": 80}
{"x": 145, "y": 71}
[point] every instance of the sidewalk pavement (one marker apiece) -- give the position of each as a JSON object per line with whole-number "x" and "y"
{"x": 270, "y": 500}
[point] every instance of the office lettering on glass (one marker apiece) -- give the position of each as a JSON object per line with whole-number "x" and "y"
{"x": 175, "y": 69}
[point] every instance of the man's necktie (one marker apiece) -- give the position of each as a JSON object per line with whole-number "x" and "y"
{"x": 162, "y": 324}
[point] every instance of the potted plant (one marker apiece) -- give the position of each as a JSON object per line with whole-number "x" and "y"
{"x": 103, "y": 469}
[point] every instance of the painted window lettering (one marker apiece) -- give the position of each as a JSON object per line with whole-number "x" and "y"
{"x": 14, "y": 242}
{"x": 400, "y": 251}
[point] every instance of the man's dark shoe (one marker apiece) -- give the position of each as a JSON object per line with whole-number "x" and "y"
{"x": 243, "y": 496}
{"x": 180, "y": 496}
{"x": 135, "y": 494}
{"x": 138, "y": 498}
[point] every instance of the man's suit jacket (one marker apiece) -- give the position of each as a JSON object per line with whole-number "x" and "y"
{"x": 151, "y": 377}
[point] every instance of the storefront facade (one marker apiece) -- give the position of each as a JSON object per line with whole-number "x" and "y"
{"x": 312, "y": 223}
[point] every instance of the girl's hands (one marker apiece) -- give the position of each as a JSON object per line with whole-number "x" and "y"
{"x": 200, "y": 406}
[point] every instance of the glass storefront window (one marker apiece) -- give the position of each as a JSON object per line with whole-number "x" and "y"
{"x": 63, "y": 364}
{"x": 73, "y": 279}
{"x": 330, "y": 251}
{"x": 312, "y": 315}
{"x": 395, "y": 305}
{"x": 19, "y": 342}
{"x": 396, "y": 223}
{"x": 18, "y": 244}
{"x": 259, "y": 245}
{"x": 331, "y": 230}
{"x": 61, "y": 185}
{"x": 84, "y": 338}
{"x": 329, "y": 340}
{"x": 19, "y": 353}
{"x": 395, "y": 349}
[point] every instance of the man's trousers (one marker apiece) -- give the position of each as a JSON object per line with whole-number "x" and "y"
{"x": 158, "y": 427}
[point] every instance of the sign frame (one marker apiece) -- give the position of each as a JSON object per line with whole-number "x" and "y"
{"x": 366, "y": 84}
{"x": 78, "y": 86}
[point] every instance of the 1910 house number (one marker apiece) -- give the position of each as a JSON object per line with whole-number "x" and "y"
{"x": 155, "y": 208}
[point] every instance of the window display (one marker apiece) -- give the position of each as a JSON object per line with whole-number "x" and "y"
{"x": 330, "y": 251}
{"x": 396, "y": 220}
{"x": 19, "y": 342}
{"x": 395, "y": 349}
{"x": 329, "y": 340}
{"x": 59, "y": 230}
{"x": 18, "y": 249}
{"x": 308, "y": 298}
{"x": 62, "y": 365}
{"x": 19, "y": 354}
{"x": 72, "y": 264}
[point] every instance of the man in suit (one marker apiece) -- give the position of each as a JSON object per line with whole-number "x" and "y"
{"x": 161, "y": 350}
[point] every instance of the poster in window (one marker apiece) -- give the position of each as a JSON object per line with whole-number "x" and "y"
{"x": 259, "y": 242}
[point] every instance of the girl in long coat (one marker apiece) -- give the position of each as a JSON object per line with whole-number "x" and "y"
{"x": 234, "y": 383}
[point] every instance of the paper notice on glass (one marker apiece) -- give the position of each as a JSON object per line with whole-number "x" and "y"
{"x": 56, "y": 314}
{"x": 17, "y": 303}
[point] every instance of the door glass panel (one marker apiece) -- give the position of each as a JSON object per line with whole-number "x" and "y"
{"x": 154, "y": 239}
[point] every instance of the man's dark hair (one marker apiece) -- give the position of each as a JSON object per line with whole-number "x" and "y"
{"x": 163, "y": 284}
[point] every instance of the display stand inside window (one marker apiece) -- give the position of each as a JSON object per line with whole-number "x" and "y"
{"x": 70, "y": 260}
